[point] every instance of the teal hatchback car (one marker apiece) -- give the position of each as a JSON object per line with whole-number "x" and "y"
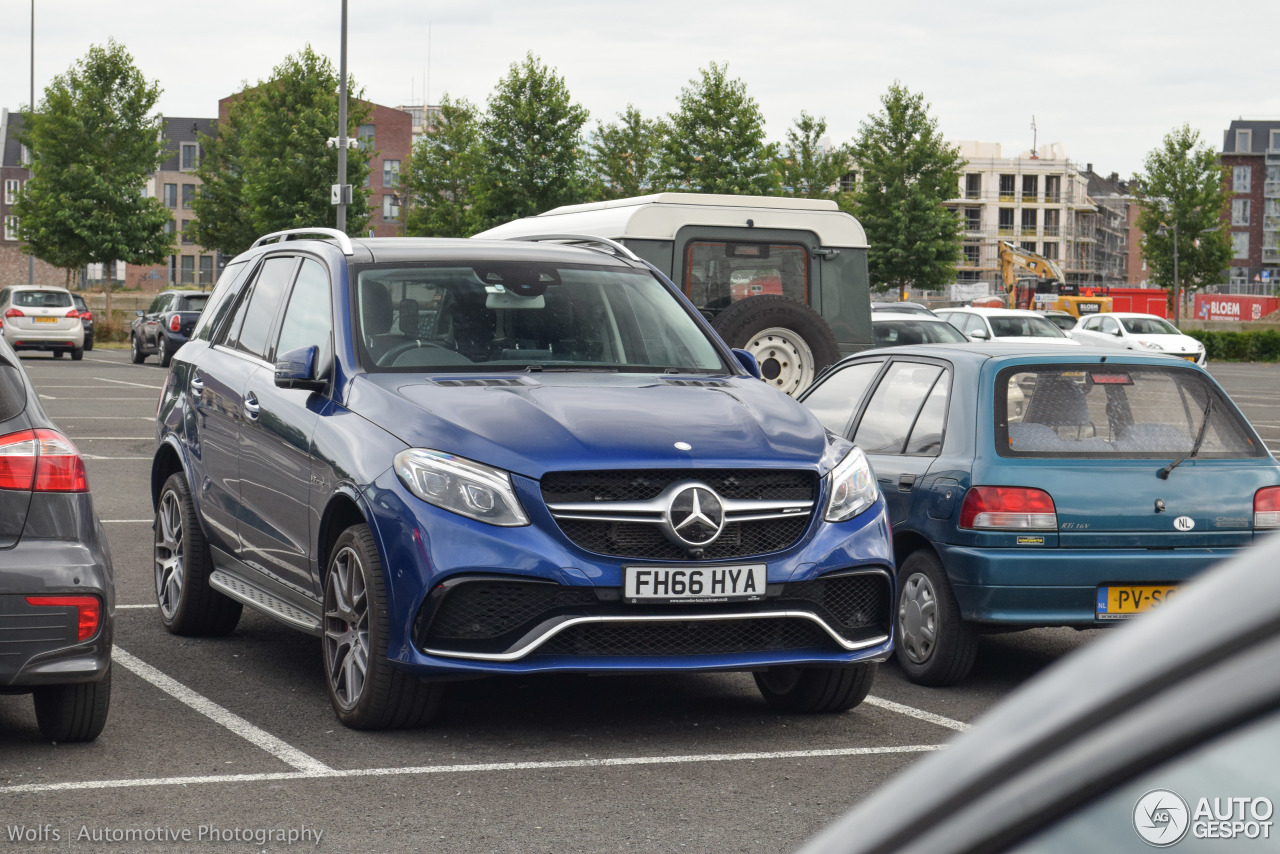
{"x": 1048, "y": 487}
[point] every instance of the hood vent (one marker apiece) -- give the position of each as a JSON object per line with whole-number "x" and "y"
{"x": 496, "y": 381}
{"x": 697, "y": 383}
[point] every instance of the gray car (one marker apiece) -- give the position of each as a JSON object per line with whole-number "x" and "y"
{"x": 56, "y": 593}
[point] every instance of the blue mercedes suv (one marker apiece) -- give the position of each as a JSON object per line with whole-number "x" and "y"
{"x": 456, "y": 458}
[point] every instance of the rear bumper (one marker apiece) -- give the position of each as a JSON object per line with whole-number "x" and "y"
{"x": 44, "y": 339}
{"x": 38, "y": 644}
{"x": 1058, "y": 587}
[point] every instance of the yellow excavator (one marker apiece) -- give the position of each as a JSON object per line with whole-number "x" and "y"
{"x": 1042, "y": 286}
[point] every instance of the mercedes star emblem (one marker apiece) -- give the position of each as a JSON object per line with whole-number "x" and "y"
{"x": 695, "y": 517}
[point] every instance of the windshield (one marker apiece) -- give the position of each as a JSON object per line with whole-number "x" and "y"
{"x": 503, "y": 316}
{"x": 893, "y": 333}
{"x": 1148, "y": 326}
{"x": 1029, "y": 326}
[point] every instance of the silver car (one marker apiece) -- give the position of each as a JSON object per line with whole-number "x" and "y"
{"x": 38, "y": 317}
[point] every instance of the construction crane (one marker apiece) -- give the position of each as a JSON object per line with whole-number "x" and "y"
{"x": 1042, "y": 285}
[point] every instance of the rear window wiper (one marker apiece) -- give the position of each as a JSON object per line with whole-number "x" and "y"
{"x": 1163, "y": 474}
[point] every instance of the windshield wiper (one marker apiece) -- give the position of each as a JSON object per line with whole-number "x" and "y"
{"x": 599, "y": 369}
{"x": 1163, "y": 474}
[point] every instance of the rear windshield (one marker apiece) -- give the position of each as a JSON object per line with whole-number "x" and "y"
{"x": 893, "y": 333}
{"x": 42, "y": 299}
{"x": 503, "y": 316}
{"x": 1148, "y": 326}
{"x": 1125, "y": 411}
{"x": 1009, "y": 326}
{"x": 192, "y": 302}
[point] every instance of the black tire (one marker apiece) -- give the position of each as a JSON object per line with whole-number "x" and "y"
{"x": 73, "y": 712}
{"x": 810, "y": 690}
{"x": 135, "y": 350}
{"x": 77, "y": 354}
{"x": 187, "y": 604}
{"x": 355, "y": 635}
{"x": 88, "y": 343}
{"x": 57, "y": 354}
{"x": 933, "y": 645}
{"x": 163, "y": 354}
{"x": 790, "y": 340}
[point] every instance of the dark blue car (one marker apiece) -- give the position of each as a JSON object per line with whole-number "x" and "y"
{"x": 1051, "y": 486}
{"x": 459, "y": 458}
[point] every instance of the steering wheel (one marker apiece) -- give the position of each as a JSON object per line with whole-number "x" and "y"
{"x": 389, "y": 357}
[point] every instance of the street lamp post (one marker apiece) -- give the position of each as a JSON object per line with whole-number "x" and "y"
{"x": 31, "y": 259}
{"x": 1162, "y": 231}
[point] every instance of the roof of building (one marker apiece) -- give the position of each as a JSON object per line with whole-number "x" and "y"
{"x": 12, "y": 126}
{"x": 1259, "y": 140}
{"x": 178, "y": 131}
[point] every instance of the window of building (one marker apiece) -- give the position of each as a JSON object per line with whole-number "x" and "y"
{"x": 365, "y": 133}
{"x": 1052, "y": 218}
{"x": 188, "y": 195}
{"x": 170, "y": 227}
{"x": 189, "y": 156}
{"x": 390, "y": 207}
{"x": 24, "y": 155}
{"x": 1241, "y": 178}
{"x": 1239, "y": 244}
{"x": 1239, "y": 211}
{"x": 391, "y": 173}
{"x": 1006, "y": 221}
{"x": 11, "y": 187}
{"x": 1244, "y": 140}
{"x": 1028, "y": 246}
{"x": 848, "y": 181}
{"x": 11, "y": 228}
{"x": 1050, "y": 251}
{"x": 187, "y": 239}
{"x": 973, "y": 219}
{"x": 1053, "y": 188}
{"x": 1030, "y": 187}
{"x": 973, "y": 185}
{"x": 972, "y": 254}
{"x": 1239, "y": 275}
{"x": 1029, "y": 221}
{"x": 187, "y": 276}
{"x": 1007, "y": 184}
{"x": 206, "y": 270}
{"x": 171, "y": 195}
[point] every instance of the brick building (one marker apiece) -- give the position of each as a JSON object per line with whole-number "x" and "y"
{"x": 1251, "y": 154}
{"x": 13, "y": 174}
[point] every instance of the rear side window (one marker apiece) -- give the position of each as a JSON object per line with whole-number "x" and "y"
{"x": 836, "y": 399}
{"x": 13, "y": 392}
{"x": 1123, "y": 411}
{"x": 718, "y": 273}
{"x": 42, "y": 299}
{"x": 887, "y": 424}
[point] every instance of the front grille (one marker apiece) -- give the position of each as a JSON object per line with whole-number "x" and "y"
{"x": 647, "y": 542}
{"x": 686, "y": 637}
{"x": 641, "y": 485}
{"x": 489, "y": 609}
{"x": 857, "y": 606}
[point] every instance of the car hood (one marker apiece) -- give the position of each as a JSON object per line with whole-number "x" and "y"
{"x": 1170, "y": 343}
{"x": 1035, "y": 339}
{"x": 548, "y": 422}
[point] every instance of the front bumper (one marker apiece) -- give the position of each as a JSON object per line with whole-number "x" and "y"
{"x": 1058, "y": 587}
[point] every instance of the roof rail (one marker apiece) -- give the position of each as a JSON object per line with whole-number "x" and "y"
{"x": 344, "y": 242}
{"x": 588, "y": 241}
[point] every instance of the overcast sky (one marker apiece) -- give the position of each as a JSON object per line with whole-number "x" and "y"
{"x": 1105, "y": 79}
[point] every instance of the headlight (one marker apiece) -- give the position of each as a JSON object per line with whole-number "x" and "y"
{"x": 460, "y": 486}
{"x": 1150, "y": 346}
{"x": 853, "y": 488}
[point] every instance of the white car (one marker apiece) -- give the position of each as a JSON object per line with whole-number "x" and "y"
{"x": 1005, "y": 325}
{"x": 894, "y": 329}
{"x": 1142, "y": 332}
{"x": 40, "y": 317}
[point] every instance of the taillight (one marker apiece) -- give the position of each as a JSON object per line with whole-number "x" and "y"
{"x": 73, "y": 313}
{"x": 41, "y": 461}
{"x": 1008, "y": 507}
{"x": 175, "y": 323}
{"x": 13, "y": 312}
{"x": 1266, "y": 507}
{"x": 88, "y": 611}
{"x": 86, "y": 315}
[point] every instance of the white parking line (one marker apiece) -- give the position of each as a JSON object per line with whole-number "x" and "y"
{"x": 97, "y": 457}
{"x": 114, "y": 438}
{"x": 286, "y": 753}
{"x": 28, "y": 788}
{"x": 133, "y": 607}
{"x": 918, "y": 714}
{"x": 124, "y": 521}
{"x": 126, "y": 382}
{"x": 72, "y": 419}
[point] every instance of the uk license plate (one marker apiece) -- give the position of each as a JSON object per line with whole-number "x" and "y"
{"x": 693, "y": 583}
{"x": 45, "y": 319}
{"x": 1121, "y": 601}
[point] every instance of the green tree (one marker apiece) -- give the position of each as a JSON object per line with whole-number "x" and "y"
{"x": 533, "y": 146}
{"x": 1183, "y": 185}
{"x": 907, "y": 171}
{"x": 94, "y": 142}
{"x": 717, "y": 139}
{"x": 626, "y": 155}
{"x": 810, "y": 170}
{"x": 444, "y": 170}
{"x": 271, "y": 167}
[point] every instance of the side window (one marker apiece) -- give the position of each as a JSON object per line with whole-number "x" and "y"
{"x": 892, "y": 411}
{"x": 257, "y": 313}
{"x": 1109, "y": 326}
{"x": 308, "y": 319}
{"x": 836, "y": 399}
{"x": 220, "y": 301}
{"x": 926, "y": 435}
{"x": 1091, "y": 324}
{"x": 157, "y": 304}
{"x": 973, "y": 323}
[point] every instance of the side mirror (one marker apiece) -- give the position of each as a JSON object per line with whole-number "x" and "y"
{"x": 140, "y": 312}
{"x": 1118, "y": 334}
{"x": 749, "y": 362}
{"x": 979, "y": 334}
{"x": 297, "y": 369}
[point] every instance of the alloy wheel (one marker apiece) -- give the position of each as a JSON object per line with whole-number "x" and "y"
{"x": 168, "y": 554}
{"x": 918, "y": 618}
{"x": 346, "y": 628}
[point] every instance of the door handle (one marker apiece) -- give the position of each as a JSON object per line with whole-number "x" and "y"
{"x": 197, "y": 384}
{"x": 906, "y": 482}
{"x": 251, "y": 407}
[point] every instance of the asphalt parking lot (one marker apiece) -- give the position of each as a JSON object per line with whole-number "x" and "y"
{"x": 233, "y": 742}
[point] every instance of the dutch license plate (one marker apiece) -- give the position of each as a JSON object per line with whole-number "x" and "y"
{"x": 693, "y": 583}
{"x": 1190, "y": 358}
{"x": 1120, "y": 601}
{"x": 45, "y": 319}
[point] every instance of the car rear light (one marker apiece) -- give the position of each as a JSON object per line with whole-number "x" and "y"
{"x": 175, "y": 323}
{"x": 86, "y": 315}
{"x": 1266, "y": 507}
{"x": 13, "y": 312}
{"x": 1008, "y": 507}
{"x": 41, "y": 461}
{"x": 88, "y": 611}
{"x": 73, "y": 313}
